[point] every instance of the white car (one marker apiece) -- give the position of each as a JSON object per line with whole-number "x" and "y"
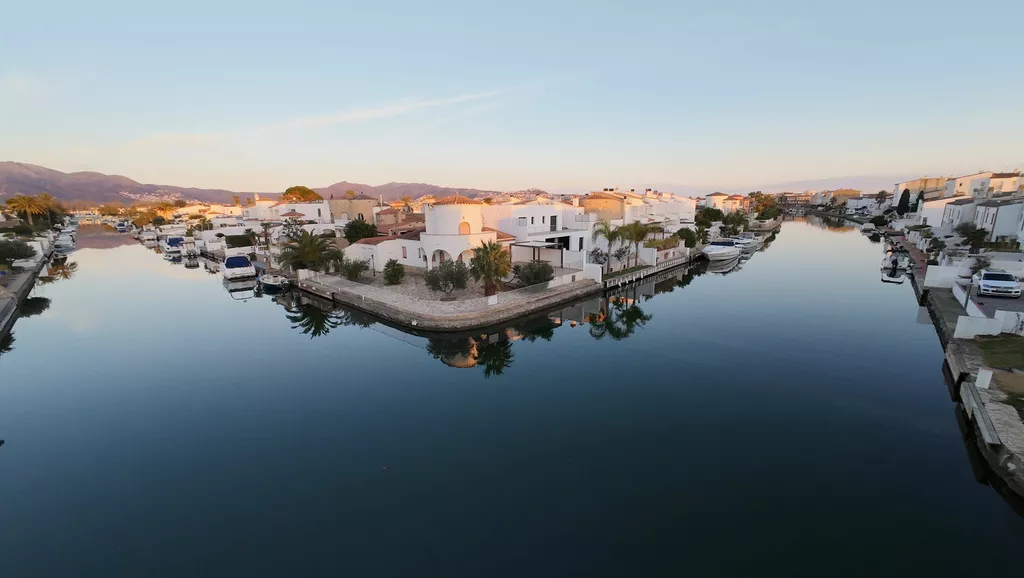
{"x": 997, "y": 282}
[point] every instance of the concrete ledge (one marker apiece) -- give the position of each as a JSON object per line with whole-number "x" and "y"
{"x": 409, "y": 317}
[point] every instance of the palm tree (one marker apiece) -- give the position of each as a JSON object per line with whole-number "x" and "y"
{"x": 25, "y": 204}
{"x": 62, "y": 270}
{"x": 164, "y": 207}
{"x": 635, "y": 233}
{"x": 49, "y": 205}
{"x": 309, "y": 251}
{"x": 313, "y": 320}
{"x": 492, "y": 263}
{"x": 266, "y": 233}
{"x": 406, "y": 203}
{"x": 495, "y": 357}
{"x": 604, "y": 229}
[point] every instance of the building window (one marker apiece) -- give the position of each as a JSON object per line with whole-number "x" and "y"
{"x": 463, "y": 228}
{"x": 581, "y": 243}
{"x": 542, "y": 219}
{"x": 531, "y": 220}
{"x": 404, "y": 255}
{"x": 318, "y": 213}
{"x": 522, "y": 221}
{"x": 360, "y": 217}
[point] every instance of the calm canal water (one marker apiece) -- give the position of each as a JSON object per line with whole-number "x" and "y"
{"x": 788, "y": 418}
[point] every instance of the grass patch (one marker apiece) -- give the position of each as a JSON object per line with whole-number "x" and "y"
{"x": 1002, "y": 350}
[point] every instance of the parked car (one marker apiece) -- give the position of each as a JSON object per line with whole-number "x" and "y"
{"x": 997, "y": 282}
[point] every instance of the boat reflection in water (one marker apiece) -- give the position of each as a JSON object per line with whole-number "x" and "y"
{"x": 616, "y": 315}
{"x": 724, "y": 267}
{"x": 243, "y": 290}
{"x": 191, "y": 262}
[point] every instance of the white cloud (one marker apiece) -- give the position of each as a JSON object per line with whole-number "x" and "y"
{"x": 342, "y": 117}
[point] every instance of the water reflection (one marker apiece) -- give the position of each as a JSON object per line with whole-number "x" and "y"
{"x": 7, "y": 343}
{"x": 33, "y": 306}
{"x": 833, "y": 224}
{"x": 60, "y": 269}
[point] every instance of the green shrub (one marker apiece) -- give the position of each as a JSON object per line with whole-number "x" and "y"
{"x": 534, "y": 272}
{"x": 11, "y": 251}
{"x": 394, "y": 272}
{"x": 688, "y": 236}
{"x": 447, "y": 276}
{"x": 662, "y": 244}
{"x": 359, "y": 229}
{"x": 879, "y": 221}
{"x": 353, "y": 268}
{"x": 980, "y": 263}
{"x": 23, "y": 230}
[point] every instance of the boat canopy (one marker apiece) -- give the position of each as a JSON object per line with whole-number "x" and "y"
{"x": 175, "y": 241}
{"x": 237, "y": 262}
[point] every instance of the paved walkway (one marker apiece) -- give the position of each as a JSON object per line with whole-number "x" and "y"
{"x": 447, "y": 315}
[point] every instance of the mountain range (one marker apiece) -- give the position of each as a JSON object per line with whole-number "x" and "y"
{"x": 93, "y": 188}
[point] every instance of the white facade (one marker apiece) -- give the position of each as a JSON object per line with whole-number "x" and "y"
{"x": 542, "y": 220}
{"x": 717, "y": 201}
{"x": 1005, "y": 183}
{"x": 316, "y": 211}
{"x": 958, "y": 211}
{"x": 975, "y": 185}
{"x": 1000, "y": 218}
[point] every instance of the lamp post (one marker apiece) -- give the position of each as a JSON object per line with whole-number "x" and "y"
{"x": 373, "y": 266}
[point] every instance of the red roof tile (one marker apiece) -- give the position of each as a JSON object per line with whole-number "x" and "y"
{"x": 457, "y": 199}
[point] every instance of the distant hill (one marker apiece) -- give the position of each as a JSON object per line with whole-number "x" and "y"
{"x": 393, "y": 191}
{"x": 93, "y": 187}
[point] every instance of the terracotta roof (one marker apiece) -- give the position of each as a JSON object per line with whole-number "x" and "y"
{"x": 389, "y": 211}
{"x": 457, "y": 199}
{"x": 413, "y": 235}
{"x": 603, "y": 195}
{"x": 501, "y": 235}
{"x": 718, "y": 195}
{"x": 1004, "y": 175}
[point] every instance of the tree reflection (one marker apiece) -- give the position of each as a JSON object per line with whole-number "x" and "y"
{"x": 59, "y": 270}
{"x": 494, "y": 355}
{"x": 33, "y": 306}
{"x": 619, "y": 318}
{"x": 6, "y": 343}
{"x": 313, "y": 320}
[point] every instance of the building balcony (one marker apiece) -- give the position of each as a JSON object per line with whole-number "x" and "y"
{"x": 549, "y": 230}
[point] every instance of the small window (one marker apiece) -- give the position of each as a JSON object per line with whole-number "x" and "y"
{"x": 318, "y": 213}
{"x": 404, "y": 255}
{"x": 522, "y": 221}
{"x": 531, "y": 220}
{"x": 542, "y": 219}
{"x": 360, "y": 217}
{"x": 581, "y": 243}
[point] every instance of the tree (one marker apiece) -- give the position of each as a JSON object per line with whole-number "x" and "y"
{"x": 50, "y": 206}
{"x": 622, "y": 255}
{"x": 634, "y": 233}
{"x": 310, "y": 251}
{"x": 350, "y": 194}
{"x": 881, "y": 197}
{"x": 494, "y": 356}
{"x": 702, "y": 234}
{"x": 158, "y": 221}
{"x": 491, "y": 263}
{"x": 534, "y": 272}
{"x": 313, "y": 320}
{"x": 266, "y": 232}
{"x": 406, "y": 203}
{"x": 598, "y": 256}
{"x": 33, "y": 306}
{"x": 604, "y": 229}
{"x": 980, "y": 264}
{"x": 300, "y": 194}
{"x": 353, "y": 268}
{"x": 236, "y": 200}
{"x": 291, "y": 228}
{"x": 688, "y": 236}
{"x": 164, "y": 207}
{"x": 761, "y": 202}
{"x": 918, "y": 201}
{"x": 973, "y": 235}
{"x": 903, "y": 207}
{"x": 180, "y": 203}
{"x": 393, "y": 272}
{"x": 447, "y": 277}
{"x": 709, "y": 214}
{"x": 26, "y": 205}
{"x": 11, "y": 251}
{"x": 357, "y": 229}
{"x": 769, "y": 213}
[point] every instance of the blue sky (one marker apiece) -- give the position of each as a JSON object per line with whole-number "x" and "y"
{"x": 558, "y": 95}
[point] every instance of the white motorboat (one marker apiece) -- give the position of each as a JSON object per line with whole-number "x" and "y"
{"x": 868, "y": 229}
{"x": 744, "y": 244}
{"x": 724, "y": 266}
{"x": 172, "y": 244}
{"x": 241, "y": 290}
{"x": 751, "y": 236}
{"x": 238, "y": 267}
{"x": 722, "y": 250}
{"x": 275, "y": 281}
{"x": 895, "y": 260}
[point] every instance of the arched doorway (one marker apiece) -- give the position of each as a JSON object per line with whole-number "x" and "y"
{"x": 464, "y": 228}
{"x": 439, "y": 256}
{"x": 466, "y": 256}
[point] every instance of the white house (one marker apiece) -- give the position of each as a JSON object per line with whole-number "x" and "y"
{"x": 716, "y": 201}
{"x": 974, "y": 185}
{"x": 1005, "y": 183}
{"x": 316, "y": 211}
{"x": 1000, "y": 217}
{"x": 957, "y": 211}
{"x": 260, "y": 209}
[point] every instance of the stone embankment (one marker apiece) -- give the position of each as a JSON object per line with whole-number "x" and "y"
{"x": 436, "y": 315}
{"x": 996, "y": 424}
{"x": 13, "y": 293}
